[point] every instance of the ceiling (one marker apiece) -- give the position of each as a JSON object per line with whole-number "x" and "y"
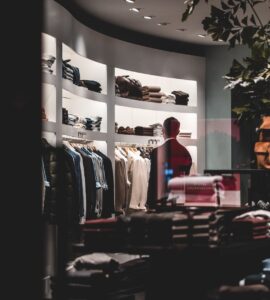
{"x": 117, "y": 12}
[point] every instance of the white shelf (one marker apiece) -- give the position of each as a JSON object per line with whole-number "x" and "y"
{"x": 144, "y": 140}
{"x": 167, "y": 83}
{"x": 83, "y": 92}
{"x": 48, "y": 78}
{"x": 48, "y": 126}
{"x": 86, "y": 134}
{"x": 154, "y": 106}
{"x": 136, "y": 139}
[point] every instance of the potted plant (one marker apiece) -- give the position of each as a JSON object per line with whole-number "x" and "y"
{"x": 251, "y": 79}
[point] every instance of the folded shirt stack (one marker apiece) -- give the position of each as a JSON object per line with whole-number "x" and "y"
{"x": 157, "y": 129}
{"x": 252, "y": 226}
{"x": 47, "y": 61}
{"x": 89, "y": 123}
{"x": 139, "y": 130}
{"x": 152, "y": 94}
{"x": 93, "y": 123}
{"x": 181, "y": 98}
{"x": 168, "y": 99}
{"x": 91, "y": 85}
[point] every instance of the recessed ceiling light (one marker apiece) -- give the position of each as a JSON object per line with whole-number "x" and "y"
{"x": 135, "y": 9}
{"x": 148, "y": 17}
{"x": 220, "y": 40}
{"x": 181, "y": 29}
{"x": 163, "y": 24}
{"x": 201, "y": 35}
{"x": 130, "y": 1}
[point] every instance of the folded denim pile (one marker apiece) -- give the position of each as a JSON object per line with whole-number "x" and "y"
{"x": 91, "y": 85}
{"x": 47, "y": 61}
{"x": 157, "y": 129}
{"x": 64, "y": 116}
{"x": 70, "y": 72}
{"x": 89, "y": 123}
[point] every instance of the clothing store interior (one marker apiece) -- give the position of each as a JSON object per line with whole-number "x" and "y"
{"x": 142, "y": 166}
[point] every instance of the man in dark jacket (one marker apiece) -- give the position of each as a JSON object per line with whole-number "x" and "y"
{"x": 169, "y": 160}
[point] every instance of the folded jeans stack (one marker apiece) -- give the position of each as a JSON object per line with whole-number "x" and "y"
{"x": 251, "y": 227}
{"x": 182, "y": 98}
{"x": 70, "y": 72}
{"x": 65, "y": 116}
{"x": 91, "y": 85}
{"x": 157, "y": 129}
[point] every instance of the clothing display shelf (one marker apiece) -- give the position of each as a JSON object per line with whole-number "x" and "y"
{"x": 149, "y": 140}
{"x": 78, "y": 99}
{"x": 83, "y": 92}
{"x": 131, "y": 111}
{"x": 134, "y": 112}
{"x": 163, "y": 85}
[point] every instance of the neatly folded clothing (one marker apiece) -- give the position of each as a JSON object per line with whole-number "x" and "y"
{"x": 95, "y": 261}
{"x": 149, "y": 88}
{"x": 156, "y": 95}
{"x": 91, "y": 85}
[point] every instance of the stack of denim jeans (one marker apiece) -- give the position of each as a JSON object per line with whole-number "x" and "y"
{"x": 70, "y": 72}
{"x": 93, "y": 123}
{"x": 91, "y": 85}
{"x": 47, "y": 62}
{"x": 64, "y": 116}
